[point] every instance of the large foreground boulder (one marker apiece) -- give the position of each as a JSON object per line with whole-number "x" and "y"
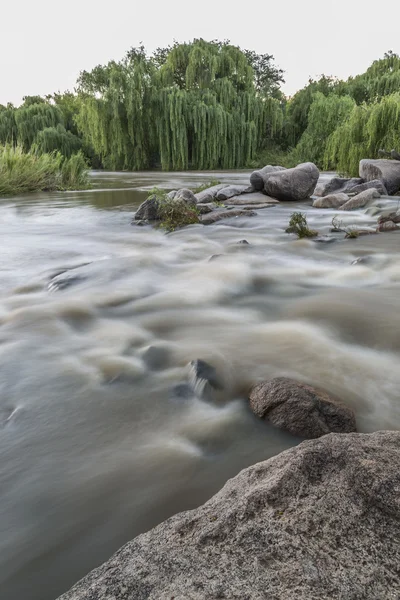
{"x": 388, "y": 171}
{"x": 293, "y": 184}
{"x": 259, "y": 178}
{"x": 299, "y": 408}
{"x": 318, "y": 522}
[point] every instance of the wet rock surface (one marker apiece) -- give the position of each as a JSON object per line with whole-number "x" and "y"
{"x": 388, "y": 171}
{"x": 320, "y": 521}
{"x": 331, "y": 201}
{"x": 292, "y": 184}
{"x": 299, "y": 408}
{"x": 361, "y": 200}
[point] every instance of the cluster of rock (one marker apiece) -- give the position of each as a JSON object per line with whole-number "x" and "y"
{"x": 318, "y": 521}
{"x": 382, "y": 176}
{"x": 267, "y": 187}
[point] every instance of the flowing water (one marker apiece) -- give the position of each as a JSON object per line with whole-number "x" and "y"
{"x": 97, "y": 442}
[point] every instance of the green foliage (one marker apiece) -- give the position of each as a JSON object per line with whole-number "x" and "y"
{"x": 59, "y": 139}
{"x": 22, "y": 172}
{"x": 325, "y": 115}
{"x": 194, "y": 104}
{"x": 74, "y": 173}
{"x": 298, "y": 225}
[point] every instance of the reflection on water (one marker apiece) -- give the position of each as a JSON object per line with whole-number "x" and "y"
{"x": 96, "y": 443}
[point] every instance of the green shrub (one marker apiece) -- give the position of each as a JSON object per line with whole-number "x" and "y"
{"x": 174, "y": 213}
{"x": 298, "y": 225}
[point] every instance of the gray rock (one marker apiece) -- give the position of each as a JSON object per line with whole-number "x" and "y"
{"x": 209, "y": 194}
{"x": 156, "y": 357}
{"x": 293, "y": 184}
{"x": 331, "y": 201}
{"x": 336, "y": 185}
{"x": 204, "y": 209}
{"x": 252, "y": 198}
{"x": 361, "y": 199}
{"x": 186, "y": 195}
{"x": 171, "y": 195}
{"x": 216, "y": 216}
{"x": 230, "y": 191}
{"x": 375, "y": 183}
{"x": 320, "y": 521}
{"x": 300, "y": 408}
{"x": 258, "y": 178}
{"x": 148, "y": 210}
{"x": 388, "y": 171}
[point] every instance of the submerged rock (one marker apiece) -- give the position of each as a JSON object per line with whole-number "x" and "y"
{"x": 299, "y": 408}
{"x": 258, "y": 178}
{"x": 393, "y": 216}
{"x": 216, "y": 216}
{"x": 388, "y": 171}
{"x": 361, "y": 199}
{"x": 387, "y": 226}
{"x": 293, "y": 184}
{"x": 204, "y": 209}
{"x": 320, "y": 521}
{"x": 331, "y": 201}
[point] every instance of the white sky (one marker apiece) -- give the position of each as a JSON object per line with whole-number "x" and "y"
{"x": 44, "y": 44}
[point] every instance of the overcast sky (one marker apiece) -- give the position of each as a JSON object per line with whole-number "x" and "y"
{"x": 44, "y": 44}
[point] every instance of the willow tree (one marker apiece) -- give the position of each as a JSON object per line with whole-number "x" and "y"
{"x": 8, "y": 126}
{"x": 325, "y": 115}
{"x": 57, "y": 139}
{"x": 369, "y": 128}
{"x": 192, "y": 105}
{"x": 33, "y": 118}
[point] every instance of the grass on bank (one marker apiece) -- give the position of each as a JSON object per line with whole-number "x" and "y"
{"x": 22, "y": 172}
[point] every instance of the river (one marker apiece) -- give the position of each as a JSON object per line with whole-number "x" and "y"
{"x": 96, "y": 442}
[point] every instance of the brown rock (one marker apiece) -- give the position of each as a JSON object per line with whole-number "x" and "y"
{"x": 320, "y": 521}
{"x": 387, "y": 226}
{"x": 225, "y": 214}
{"x": 331, "y": 201}
{"x": 299, "y": 408}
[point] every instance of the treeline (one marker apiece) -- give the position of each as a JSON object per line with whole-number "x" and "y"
{"x": 210, "y": 105}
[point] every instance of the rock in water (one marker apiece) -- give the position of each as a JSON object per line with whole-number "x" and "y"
{"x": 388, "y": 171}
{"x": 203, "y": 376}
{"x": 230, "y": 191}
{"x": 331, "y": 201}
{"x": 216, "y": 216}
{"x": 336, "y": 185}
{"x": 209, "y": 194}
{"x": 258, "y": 178}
{"x": 361, "y": 199}
{"x": 300, "y": 408}
{"x": 293, "y": 184}
{"x": 374, "y": 183}
{"x": 186, "y": 195}
{"x": 148, "y": 210}
{"x": 320, "y": 521}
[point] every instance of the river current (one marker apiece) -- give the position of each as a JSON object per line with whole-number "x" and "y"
{"x": 97, "y": 442}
